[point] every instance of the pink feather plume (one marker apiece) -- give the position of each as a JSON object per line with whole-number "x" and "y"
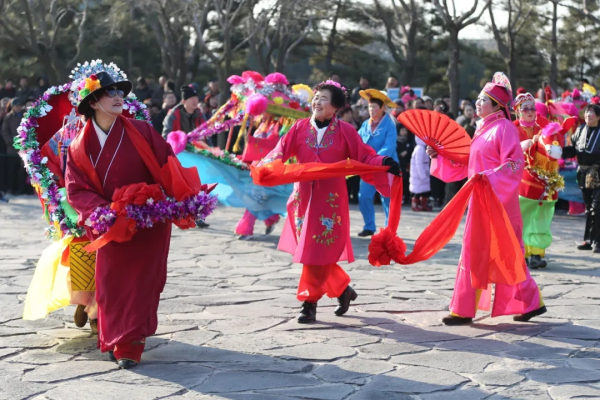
{"x": 256, "y": 104}
{"x": 178, "y": 141}
{"x": 235, "y": 80}
{"x": 551, "y": 129}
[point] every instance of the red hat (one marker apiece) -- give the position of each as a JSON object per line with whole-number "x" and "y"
{"x": 500, "y": 91}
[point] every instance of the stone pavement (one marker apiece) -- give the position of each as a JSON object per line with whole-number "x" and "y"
{"x": 228, "y": 330}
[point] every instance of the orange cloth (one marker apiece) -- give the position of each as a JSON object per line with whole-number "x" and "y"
{"x": 319, "y": 280}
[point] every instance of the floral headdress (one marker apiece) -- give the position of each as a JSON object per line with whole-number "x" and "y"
{"x": 85, "y": 80}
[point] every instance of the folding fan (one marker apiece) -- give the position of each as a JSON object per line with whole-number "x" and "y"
{"x": 440, "y": 132}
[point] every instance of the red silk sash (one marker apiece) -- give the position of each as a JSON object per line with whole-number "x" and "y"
{"x": 496, "y": 255}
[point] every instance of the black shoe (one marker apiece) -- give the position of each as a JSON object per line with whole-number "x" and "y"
{"x": 308, "y": 313}
{"x": 536, "y": 262}
{"x": 202, "y": 224}
{"x": 584, "y": 246}
{"x": 527, "y": 316}
{"x": 125, "y": 363}
{"x": 111, "y": 355}
{"x": 597, "y": 250}
{"x": 80, "y": 317}
{"x": 366, "y": 233}
{"x": 452, "y": 320}
{"x": 344, "y": 301}
{"x": 270, "y": 229}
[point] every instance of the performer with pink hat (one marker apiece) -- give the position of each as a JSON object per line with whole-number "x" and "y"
{"x": 496, "y": 153}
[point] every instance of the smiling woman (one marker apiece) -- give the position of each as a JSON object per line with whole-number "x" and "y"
{"x": 317, "y": 230}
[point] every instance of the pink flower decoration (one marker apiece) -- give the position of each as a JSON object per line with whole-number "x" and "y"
{"x": 235, "y": 80}
{"x": 276, "y": 78}
{"x": 576, "y": 93}
{"x": 256, "y": 104}
{"x": 177, "y": 140}
{"x": 541, "y": 109}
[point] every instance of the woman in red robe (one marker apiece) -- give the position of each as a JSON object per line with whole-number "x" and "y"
{"x": 317, "y": 229}
{"x": 130, "y": 275}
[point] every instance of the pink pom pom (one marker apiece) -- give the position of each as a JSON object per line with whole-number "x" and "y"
{"x": 256, "y": 104}
{"x": 541, "y": 109}
{"x": 277, "y": 78}
{"x": 177, "y": 140}
{"x": 551, "y": 129}
{"x": 255, "y": 76}
{"x": 576, "y": 94}
{"x": 235, "y": 80}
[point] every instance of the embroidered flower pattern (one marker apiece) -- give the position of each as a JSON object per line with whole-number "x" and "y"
{"x": 331, "y": 200}
{"x": 327, "y": 237}
{"x": 326, "y": 142}
{"x": 298, "y": 221}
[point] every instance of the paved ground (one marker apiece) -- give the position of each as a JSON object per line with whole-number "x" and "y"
{"x": 227, "y": 327}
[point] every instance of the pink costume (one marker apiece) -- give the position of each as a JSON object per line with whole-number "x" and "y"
{"x": 495, "y": 152}
{"x": 317, "y": 228}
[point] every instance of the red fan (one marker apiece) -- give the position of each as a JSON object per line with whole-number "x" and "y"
{"x": 437, "y": 130}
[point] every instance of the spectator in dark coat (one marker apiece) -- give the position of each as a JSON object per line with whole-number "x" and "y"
{"x": 42, "y": 86}
{"x": 405, "y": 145}
{"x": 142, "y": 90}
{"x": 8, "y": 90}
{"x": 16, "y": 175}
{"x": 363, "y": 84}
{"x": 25, "y": 92}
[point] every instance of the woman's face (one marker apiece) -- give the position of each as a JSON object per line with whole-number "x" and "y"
{"x": 591, "y": 119}
{"x": 321, "y": 105}
{"x": 527, "y": 111}
{"x": 469, "y": 111}
{"x": 484, "y": 106}
{"x": 374, "y": 110}
{"x": 110, "y": 105}
{"x": 439, "y": 108}
{"x": 403, "y": 132}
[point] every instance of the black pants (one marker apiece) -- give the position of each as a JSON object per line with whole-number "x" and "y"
{"x": 591, "y": 198}
{"x": 3, "y": 172}
{"x": 16, "y": 176}
{"x": 353, "y": 185}
{"x": 438, "y": 187}
{"x": 452, "y": 188}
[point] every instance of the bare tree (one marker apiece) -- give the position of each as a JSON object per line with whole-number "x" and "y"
{"x": 454, "y": 23}
{"x": 401, "y": 24}
{"x": 278, "y": 31}
{"x": 168, "y": 20}
{"x": 34, "y": 26}
{"x": 518, "y": 12}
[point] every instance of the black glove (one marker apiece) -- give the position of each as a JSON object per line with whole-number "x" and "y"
{"x": 394, "y": 166}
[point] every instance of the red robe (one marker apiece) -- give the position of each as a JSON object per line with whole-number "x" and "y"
{"x": 129, "y": 276}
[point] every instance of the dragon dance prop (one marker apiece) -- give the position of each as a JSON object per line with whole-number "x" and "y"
{"x": 261, "y": 110}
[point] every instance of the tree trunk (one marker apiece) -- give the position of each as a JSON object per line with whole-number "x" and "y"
{"x": 331, "y": 40}
{"x": 453, "y": 71}
{"x": 554, "y": 50}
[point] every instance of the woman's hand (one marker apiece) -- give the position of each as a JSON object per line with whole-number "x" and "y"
{"x": 431, "y": 152}
{"x": 526, "y": 144}
{"x": 403, "y": 154}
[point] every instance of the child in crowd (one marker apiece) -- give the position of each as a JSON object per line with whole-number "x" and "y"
{"x": 420, "y": 185}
